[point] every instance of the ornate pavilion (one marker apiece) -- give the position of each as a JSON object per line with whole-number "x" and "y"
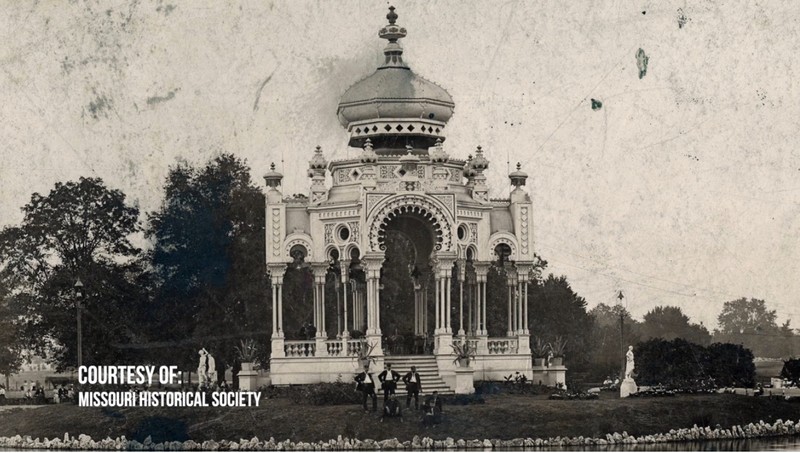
{"x": 404, "y": 182}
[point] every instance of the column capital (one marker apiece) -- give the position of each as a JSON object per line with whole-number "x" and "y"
{"x": 373, "y": 262}
{"x": 320, "y": 271}
{"x": 481, "y": 270}
{"x": 462, "y": 269}
{"x": 344, "y": 267}
{"x": 524, "y": 269}
{"x": 276, "y": 271}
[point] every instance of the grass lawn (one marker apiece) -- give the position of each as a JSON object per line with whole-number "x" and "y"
{"x": 502, "y": 416}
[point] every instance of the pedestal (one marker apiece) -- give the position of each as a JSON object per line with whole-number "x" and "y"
{"x": 627, "y": 387}
{"x": 464, "y": 380}
{"x": 277, "y": 347}
{"x": 248, "y": 380}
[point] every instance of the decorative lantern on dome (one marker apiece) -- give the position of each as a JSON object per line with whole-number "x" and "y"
{"x": 439, "y": 157}
{"x": 273, "y": 181}
{"x": 316, "y": 171}
{"x": 479, "y": 164}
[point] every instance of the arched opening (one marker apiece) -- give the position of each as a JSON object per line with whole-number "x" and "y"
{"x": 298, "y": 283}
{"x": 409, "y": 237}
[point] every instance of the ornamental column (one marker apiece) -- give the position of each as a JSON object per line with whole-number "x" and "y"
{"x": 444, "y": 333}
{"x": 462, "y": 273}
{"x": 524, "y": 335}
{"x": 277, "y": 271}
{"x": 345, "y": 269}
{"x": 481, "y": 273}
{"x": 320, "y": 271}
{"x": 373, "y": 262}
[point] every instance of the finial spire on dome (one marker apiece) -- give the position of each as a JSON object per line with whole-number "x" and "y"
{"x": 392, "y": 32}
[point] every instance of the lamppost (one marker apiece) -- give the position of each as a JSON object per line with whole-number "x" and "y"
{"x": 78, "y": 295}
{"x": 621, "y": 296}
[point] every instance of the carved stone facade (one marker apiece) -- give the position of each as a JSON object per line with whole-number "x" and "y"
{"x": 403, "y": 180}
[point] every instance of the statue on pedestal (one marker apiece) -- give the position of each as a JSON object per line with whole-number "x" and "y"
{"x": 628, "y": 385}
{"x": 629, "y": 364}
{"x": 206, "y": 369}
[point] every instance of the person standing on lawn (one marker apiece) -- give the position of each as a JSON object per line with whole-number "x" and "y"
{"x": 366, "y": 385}
{"x": 388, "y": 378}
{"x": 413, "y": 387}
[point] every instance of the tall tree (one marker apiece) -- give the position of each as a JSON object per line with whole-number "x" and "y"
{"x": 556, "y": 310}
{"x": 610, "y": 340}
{"x": 79, "y": 231}
{"x": 669, "y": 323}
{"x": 747, "y": 316}
{"x": 209, "y": 263}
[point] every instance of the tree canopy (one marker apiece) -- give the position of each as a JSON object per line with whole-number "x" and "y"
{"x": 79, "y": 231}
{"x": 208, "y": 260}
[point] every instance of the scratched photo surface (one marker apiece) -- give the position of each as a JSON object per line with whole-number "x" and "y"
{"x": 660, "y": 137}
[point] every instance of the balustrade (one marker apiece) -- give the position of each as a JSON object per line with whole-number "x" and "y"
{"x": 295, "y": 348}
{"x": 503, "y": 345}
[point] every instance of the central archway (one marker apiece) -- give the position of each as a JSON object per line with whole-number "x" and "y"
{"x": 426, "y": 209}
{"x": 409, "y": 238}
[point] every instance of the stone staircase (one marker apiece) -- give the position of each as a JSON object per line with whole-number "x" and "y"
{"x": 427, "y": 369}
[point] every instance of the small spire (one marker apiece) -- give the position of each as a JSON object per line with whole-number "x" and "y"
{"x": 392, "y": 16}
{"x": 519, "y": 166}
{"x": 392, "y": 32}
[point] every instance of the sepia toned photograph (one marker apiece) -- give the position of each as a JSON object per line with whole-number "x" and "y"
{"x": 361, "y": 225}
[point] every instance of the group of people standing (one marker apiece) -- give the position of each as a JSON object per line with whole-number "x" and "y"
{"x": 389, "y": 378}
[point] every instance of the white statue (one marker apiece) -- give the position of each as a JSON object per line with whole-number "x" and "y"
{"x": 206, "y": 369}
{"x": 629, "y": 363}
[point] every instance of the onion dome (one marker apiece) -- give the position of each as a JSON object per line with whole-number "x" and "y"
{"x": 394, "y": 107}
{"x": 479, "y": 163}
{"x": 273, "y": 178}
{"x": 518, "y": 177}
{"x": 317, "y": 164}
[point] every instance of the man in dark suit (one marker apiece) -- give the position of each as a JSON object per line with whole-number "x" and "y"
{"x": 413, "y": 387}
{"x": 392, "y": 409}
{"x": 388, "y": 378}
{"x": 433, "y": 410}
{"x": 366, "y": 385}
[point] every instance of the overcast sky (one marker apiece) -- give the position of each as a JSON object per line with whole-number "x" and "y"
{"x": 683, "y": 189}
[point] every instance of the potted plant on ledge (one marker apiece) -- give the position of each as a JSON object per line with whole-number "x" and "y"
{"x": 540, "y": 348}
{"x": 248, "y": 353}
{"x": 558, "y": 346}
{"x": 464, "y": 352}
{"x": 364, "y": 356}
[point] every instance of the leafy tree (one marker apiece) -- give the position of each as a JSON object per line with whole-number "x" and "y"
{"x": 556, "y": 310}
{"x": 670, "y": 323}
{"x": 209, "y": 263}
{"x": 747, "y": 316}
{"x": 10, "y": 346}
{"x": 751, "y": 323}
{"x": 684, "y": 364}
{"x": 80, "y": 230}
{"x": 791, "y": 371}
{"x": 606, "y": 348}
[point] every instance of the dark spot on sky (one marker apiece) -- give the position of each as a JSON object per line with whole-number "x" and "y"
{"x": 158, "y": 99}
{"x": 682, "y": 19}
{"x": 641, "y": 62}
{"x": 99, "y": 106}
{"x": 644, "y": 12}
{"x": 596, "y": 105}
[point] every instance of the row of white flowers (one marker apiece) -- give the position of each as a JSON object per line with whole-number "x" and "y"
{"x": 85, "y": 442}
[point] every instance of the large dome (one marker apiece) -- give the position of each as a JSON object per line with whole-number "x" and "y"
{"x": 393, "y": 106}
{"x": 393, "y": 92}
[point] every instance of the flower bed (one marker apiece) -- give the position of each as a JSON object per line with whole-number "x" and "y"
{"x": 84, "y": 442}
